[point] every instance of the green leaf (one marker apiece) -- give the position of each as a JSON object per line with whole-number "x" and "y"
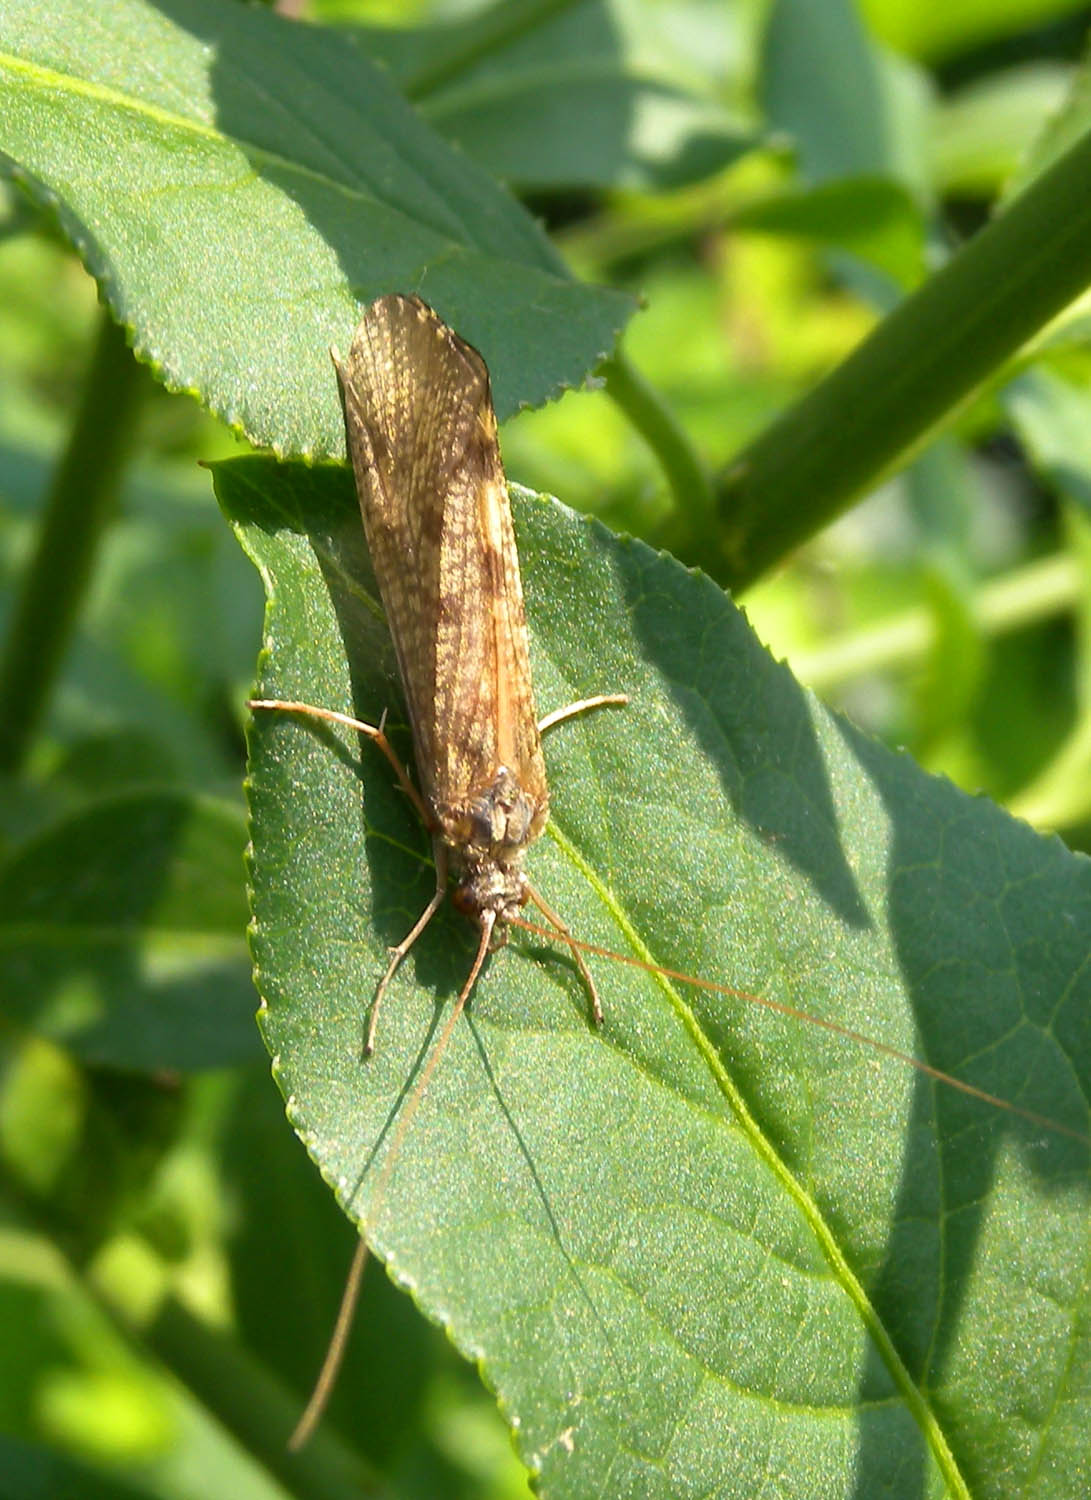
{"x": 239, "y": 184}
{"x": 1070, "y": 120}
{"x": 850, "y": 111}
{"x": 588, "y": 93}
{"x": 1051, "y": 417}
{"x": 591, "y": 125}
{"x": 706, "y": 1245}
{"x": 121, "y": 933}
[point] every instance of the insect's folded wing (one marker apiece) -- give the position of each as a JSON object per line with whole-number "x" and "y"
{"x": 423, "y": 441}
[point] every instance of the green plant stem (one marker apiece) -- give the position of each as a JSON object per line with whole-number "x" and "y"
{"x": 911, "y": 373}
{"x": 77, "y": 511}
{"x": 1059, "y": 797}
{"x": 1037, "y": 592}
{"x": 665, "y": 436}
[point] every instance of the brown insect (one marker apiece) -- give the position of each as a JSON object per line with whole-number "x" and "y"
{"x": 421, "y": 434}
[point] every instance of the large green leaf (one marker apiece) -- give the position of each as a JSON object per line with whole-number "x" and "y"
{"x": 590, "y": 125}
{"x": 851, "y": 111}
{"x": 709, "y": 1249}
{"x": 239, "y": 184}
{"x": 590, "y": 92}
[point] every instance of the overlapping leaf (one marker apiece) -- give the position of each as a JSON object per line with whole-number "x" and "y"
{"x": 239, "y": 184}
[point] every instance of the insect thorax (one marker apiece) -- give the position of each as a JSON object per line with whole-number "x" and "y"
{"x": 488, "y": 835}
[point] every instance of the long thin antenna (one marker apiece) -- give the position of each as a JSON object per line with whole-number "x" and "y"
{"x": 796, "y": 1014}
{"x": 335, "y": 1350}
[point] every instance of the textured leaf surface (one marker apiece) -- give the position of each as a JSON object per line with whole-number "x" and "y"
{"x": 707, "y": 1250}
{"x": 240, "y": 184}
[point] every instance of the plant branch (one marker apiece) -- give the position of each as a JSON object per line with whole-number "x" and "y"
{"x": 77, "y": 511}
{"x": 665, "y": 436}
{"x": 912, "y": 372}
{"x": 1042, "y": 589}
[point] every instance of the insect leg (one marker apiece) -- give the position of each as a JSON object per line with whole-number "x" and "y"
{"x": 374, "y": 733}
{"x": 398, "y": 953}
{"x": 570, "y": 710}
{"x": 555, "y": 921}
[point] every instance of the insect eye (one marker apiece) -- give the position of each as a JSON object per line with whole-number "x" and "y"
{"x": 462, "y": 900}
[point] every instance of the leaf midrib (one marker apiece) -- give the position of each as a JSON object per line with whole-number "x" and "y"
{"x": 763, "y": 1147}
{"x": 254, "y": 155}
{"x": 156, "y": 114}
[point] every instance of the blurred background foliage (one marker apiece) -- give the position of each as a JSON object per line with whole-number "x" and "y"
{"x": 769, "y": 177}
